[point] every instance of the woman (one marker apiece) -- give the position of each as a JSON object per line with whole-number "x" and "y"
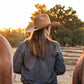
{"x": 38, "y": 59}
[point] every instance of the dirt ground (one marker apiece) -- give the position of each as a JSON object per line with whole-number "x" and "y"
{"x": 67, "y": 77}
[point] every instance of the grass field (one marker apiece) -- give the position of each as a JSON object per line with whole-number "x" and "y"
{"x": 71, "y": 55}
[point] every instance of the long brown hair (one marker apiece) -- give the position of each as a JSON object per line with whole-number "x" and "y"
{"x": 38, "y": 43}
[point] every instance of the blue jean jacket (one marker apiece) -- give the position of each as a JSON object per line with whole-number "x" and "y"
{"x": 36, "y": 71}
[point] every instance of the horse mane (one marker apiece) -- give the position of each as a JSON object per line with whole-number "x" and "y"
{"x": 83, "y": 51}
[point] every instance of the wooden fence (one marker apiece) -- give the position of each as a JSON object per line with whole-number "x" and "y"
{"x": 71, "y": 55}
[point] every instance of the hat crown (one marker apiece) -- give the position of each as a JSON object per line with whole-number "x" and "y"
{"x": 41, "y": 21}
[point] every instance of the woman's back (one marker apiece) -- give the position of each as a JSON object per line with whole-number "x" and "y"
{"x": 37, "y": 70}
{"x": 38, "y": 59}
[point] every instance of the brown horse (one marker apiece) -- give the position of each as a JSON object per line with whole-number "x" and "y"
{"x": 78, "y": 76}
{"x": 5, "y": 62}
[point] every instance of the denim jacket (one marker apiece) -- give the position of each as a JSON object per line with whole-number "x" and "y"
{"x": 37, "y": 71}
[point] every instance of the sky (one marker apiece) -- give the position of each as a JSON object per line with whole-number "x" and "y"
{"x": 17, "y": 13}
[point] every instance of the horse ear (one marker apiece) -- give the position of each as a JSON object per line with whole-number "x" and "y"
{"x": 83, "y": 50}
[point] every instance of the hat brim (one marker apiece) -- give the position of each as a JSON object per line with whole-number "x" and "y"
{"x": 31, "y": 28}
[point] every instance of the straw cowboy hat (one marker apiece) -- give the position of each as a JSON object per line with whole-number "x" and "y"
{"x": 40, "y": 21}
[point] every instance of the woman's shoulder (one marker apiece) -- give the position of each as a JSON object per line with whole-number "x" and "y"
{"x": 54, "y": 42}
{"x": 22, "y": 44}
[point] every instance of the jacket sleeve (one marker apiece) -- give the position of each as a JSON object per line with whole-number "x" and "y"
{"x": 18, "y": 59}
{"x": 59, "y": 63}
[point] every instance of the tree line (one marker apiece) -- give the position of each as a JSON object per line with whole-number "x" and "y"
{"x": 70, "y": 32}
{"x": 14, "y": 36}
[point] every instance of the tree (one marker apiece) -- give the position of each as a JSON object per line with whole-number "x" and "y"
{"x": 41, "y": 9}
{"x": 70, "y": 23}
{"x": 14, "y": 36}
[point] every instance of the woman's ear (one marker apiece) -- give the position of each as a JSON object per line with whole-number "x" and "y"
{"x": 46, "y": 31}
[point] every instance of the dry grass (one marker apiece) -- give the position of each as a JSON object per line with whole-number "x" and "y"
{"x": 17, "y": 82}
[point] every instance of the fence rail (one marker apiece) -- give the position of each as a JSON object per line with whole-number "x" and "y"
{"x": 71, "y": 56}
